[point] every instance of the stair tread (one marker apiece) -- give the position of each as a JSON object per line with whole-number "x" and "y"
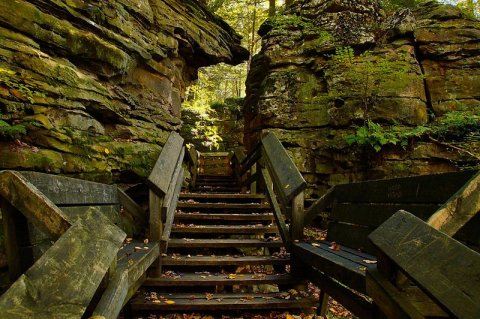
{"x": 224, "y": 229}
{"x": 194, "y": 279}
{"x": 183, "y": 204}
{"x": 222, "y": 301}
{"x": 219, "y": 243}
{"x": 222, "y": 260}
{"x": 221, "y": 195}
{"x": 213, "y": 216}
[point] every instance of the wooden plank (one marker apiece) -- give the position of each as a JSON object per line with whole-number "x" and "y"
{"x": 63, "y": 190}
{"x": 33, "y": 204}
{"x": 221, "y": 229}
{"x": 133, "y": 264}
{"x": 193, "y": 279}
{"x": 445, "y": 269}
{"x": 138, "y": 214}
{"x": 346, "y": 252}
{"x": 459, "y": 209}
{"x": 337, "y": 267}
{"x": 386, "y": 297}
{"x": 221, "y": 196}
{"x": 355, "y": 303}
{"x": 74, "y": 213}
{"x": 319, "y": 206}
{"x": 239, "y": 154}
{"x": 288, "y": 180}
{"x": 14, "y": 228}
{"x": 223, "y": 243}
{"x": 247, "y": 206}
{"x": 193, "y": 155}
{"x": 63, "y": 281}
{"x": 221, "y": 217}
{"x": 224, "y": 302}
{"x": 215, "y": 154}
{"x": 250, "y": 160}
{"x": 156, "y": 225}
{"x": 422, "y": 302}
{"x": 251, "y": 179}
{"x": 353, "y": 236}
{"x": 374, "y": 214}
{"x": 470, "y": 234}
{"x": 277, "y": 213}
{"x": 170, "y": 212}
{"x": 222, "y": 260}
{"x": 297, "y": 212}
{"x": 436, "y": 188}
{"x": 162, "y": 172}
{"x": 169, "y": 196}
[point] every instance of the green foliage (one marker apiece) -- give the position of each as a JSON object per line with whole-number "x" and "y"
{"x": 369, "y": 75}
{"x": 393, "y": 5}
{"x": 11, "y": 80}
{"x": 11, "y": 131}
{"x": 281, "y": 21}
{"x": 454, "y": 125}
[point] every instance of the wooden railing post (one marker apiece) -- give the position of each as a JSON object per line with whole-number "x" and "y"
{"x": 297, "y": 219}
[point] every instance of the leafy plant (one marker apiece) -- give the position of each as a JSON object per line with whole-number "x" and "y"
{"x": 11, "y": 131}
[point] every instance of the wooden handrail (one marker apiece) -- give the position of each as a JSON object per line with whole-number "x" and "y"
{"x": 283, "y": 182}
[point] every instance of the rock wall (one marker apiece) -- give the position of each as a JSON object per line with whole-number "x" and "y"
{"x": 98, "y": 85}
{"x": 326, "y": 67}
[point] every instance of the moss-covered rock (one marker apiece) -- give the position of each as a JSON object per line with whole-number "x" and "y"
{"x": 328, "y": 67}
{"x": 99, "y": 85}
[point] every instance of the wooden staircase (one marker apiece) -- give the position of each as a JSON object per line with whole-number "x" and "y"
{"x": 224, "y": 255}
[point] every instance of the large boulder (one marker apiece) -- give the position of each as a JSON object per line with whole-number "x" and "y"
{"x": 328, "y": 67}
{"x": 98, "y": 85}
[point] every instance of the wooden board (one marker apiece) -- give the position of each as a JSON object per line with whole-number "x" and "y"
{"x": 162, "y": 172}
{"x": 319, "y": 206}
{"x": 459, "y": 209}
{"x": 75, "y": 213}
{"x": 222, "y": 260}
{"x": 223, "y": 243}
{"x": 63, "y": 281}
{"x": 391, "y": 302}
{"x": 221, "y": 229}
{"x": 284, "y": 173}
{"x": 445, "y": 269}
{"x": 355, "y": 303}
{"x": 192, "y": 279}
{"x": 372, "y": 215}
{"x": 353, "y": 236}
{"x": 138, "y": 214}
{"x": 221, "y": 217}
{"x": 223, "y": 206}
{"x": 132, "y": 265}
{"x": 436, "y": 188}
{"x": 71, "y": 191}
{"x": 33, "y": 204}
{"x": 347, "y": 272}
{"x": 224, "y": 302}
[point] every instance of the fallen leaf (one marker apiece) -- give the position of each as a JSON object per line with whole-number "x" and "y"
{"x": 156, "y": 301}
{"x": 232, "y": 276}
{"x": 316, "y": 245}
{"x": 107, "y": 151}
{"x": 367, "y": 261}
{"x": 169, "y": 302}
{"x": 145, "y": 241}
{"x": 209, "y": 296}
{"x": 335, "y": 246}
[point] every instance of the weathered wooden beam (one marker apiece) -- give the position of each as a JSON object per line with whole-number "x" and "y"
{"x": 193, "y": 156}
{"x": 136, "y": 211}
{"x": 33, "y": 204}
{"x": 391, "y": 302}
{"x": 277, "y": 212}
{"x": 250, "y": 160}
{"x": 63, "y": 281}
{"x": 156, "y": 224}
{"x": 319, "y": 206}
{"x": 170, "y": 212}
{"x": 162, "y": 172}
{"x": 63, "y": 190}
{"x": 446, "y": 270}
{"x": 288, "y": 180}
{"x": 459, "y": 209}
{"x": 129, "y": 271}
{"x": 297, "y": 219}
{"x": 167, "y": 201}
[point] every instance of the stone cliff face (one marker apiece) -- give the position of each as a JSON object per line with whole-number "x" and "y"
{"x": 326, "y": 67}
{"x": 98, "y": 85}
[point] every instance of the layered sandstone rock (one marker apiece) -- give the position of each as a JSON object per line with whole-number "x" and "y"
{"x": 327, "y": 66}
{"x": 98, "y": 85}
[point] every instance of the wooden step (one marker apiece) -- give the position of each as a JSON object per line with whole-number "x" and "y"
{"x": 222, "y": 260}
{"x": 248, "y": 206}
{"x": 219, "y": 189}
{"x": 219, "y": 217}
{"x": 222, "y": 243}
{"x": 224, "y": 229}
{"x": 226, "y": 302}
{"x": 200, "y": 279}
{"x": 221, "y": 196}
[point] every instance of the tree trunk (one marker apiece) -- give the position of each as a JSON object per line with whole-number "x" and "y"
{"x": 271, "y": 8}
